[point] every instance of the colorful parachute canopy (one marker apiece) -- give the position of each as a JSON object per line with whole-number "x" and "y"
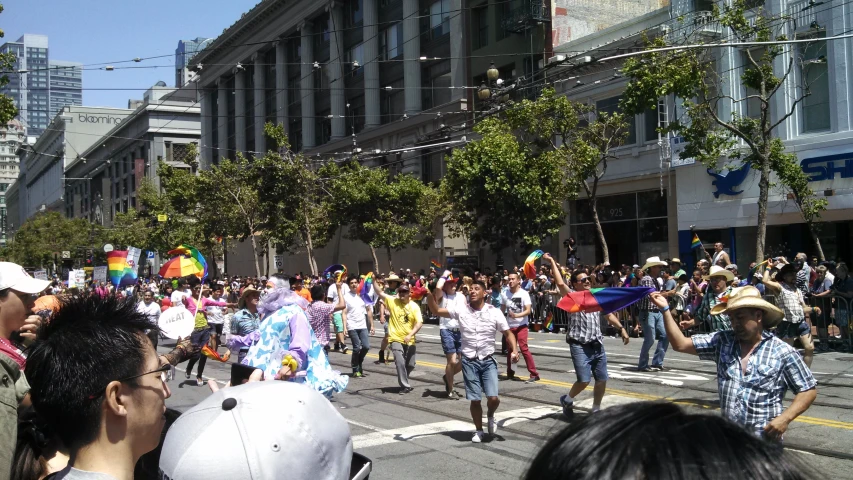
{"x": 529, "y": 264}
{"x": 604, "y": 300}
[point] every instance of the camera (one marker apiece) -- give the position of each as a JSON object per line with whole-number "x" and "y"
{"x": 566, "y": 243}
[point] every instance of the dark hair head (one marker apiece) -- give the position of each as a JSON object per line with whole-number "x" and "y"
{"x": 481, "y": 283}
{"x": 90, "y": 342}
{"x": 318, "y": 292}
{"x": 575, "y": 274}
{"x": 614, "y": 443}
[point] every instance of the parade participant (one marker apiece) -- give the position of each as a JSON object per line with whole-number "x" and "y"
{"x": 359, "y": 323}
{"x": 451, "y": 342}
{"x": 180, "y": 293}
{"x": 517, "y": 308}
{"x": 478, "y": 322}
{"x": 754, "y": 367}
{"x": 286, "y": 348}
{"x": 339, "y": 321}
{"x": 296, "y": 283}
{"x": 201, "y": 332}
{"x": 216, "y": 315}
{"x": 98, "y": 383}
{"x": 393, "y": 282}
{"x": 319, "y": 313}
{"x": 651, "y": 319}
{"x": 586, "y": 341}
{"x": 675, "y": 263}
{"x": 790, "y": 299}
{"x": 150, "y": 309}
{"x": 18, "y": 292}
{"x": 719, "y": 280}
{"x": 720, "y": 257}
{"x": 404, "y": 322}
{"x": 245, "y": 322}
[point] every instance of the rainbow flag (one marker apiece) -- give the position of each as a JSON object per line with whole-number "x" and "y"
{"x": 338, "y": 270}
{"x": 695, "y": 243}
{"x": 549, "y": 321}
{"x": 117, "y": 266}
{"x": 418, "y": 291}
{"x": 529, "y": 264}
{"x": 211, "y": 353}
{"x": 605, "y": 300}
{"x": 433, "y": 264}
{"x": 364, "y": 288}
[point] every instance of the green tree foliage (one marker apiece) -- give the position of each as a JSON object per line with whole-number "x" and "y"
{"x": 47, "y": 232}
{"x": 503, "y": 192}
{"x": 129, "y": 228}
{"x": 8, "y": 110}
{"x": 390, "y": 213}
{"x": 714, "y": 137}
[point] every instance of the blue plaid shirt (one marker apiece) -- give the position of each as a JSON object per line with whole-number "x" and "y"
{"x": 754, "y": 398}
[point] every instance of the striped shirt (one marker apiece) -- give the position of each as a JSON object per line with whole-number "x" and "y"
{"x": 585, "y": 327}
{"x": 646, "y": 302}
{"x": 753, "y": 398}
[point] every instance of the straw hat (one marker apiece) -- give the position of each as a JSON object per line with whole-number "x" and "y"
{"x": 246, "y": 291}
{"x": 750, "y": 297}
{"x": 393, "y": 278}
{"x": 720, "y": 272}
{"x": 653, "y": 262}
{"x": 675, "y": 260}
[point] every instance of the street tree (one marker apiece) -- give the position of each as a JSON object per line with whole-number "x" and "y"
{"x": 129, "y": 228}
{"x": 8, "y": 110}
{"x": 721, "y": 126}
{"x": 577, "y": 137}
{"x": 46, "y": 233}
{"x": 503, "y": 192}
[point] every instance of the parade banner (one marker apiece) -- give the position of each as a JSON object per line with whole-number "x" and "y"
{"x": 176, "y": 322}
{"x": 99, "y": 274}
{"x": 40, "y": 274}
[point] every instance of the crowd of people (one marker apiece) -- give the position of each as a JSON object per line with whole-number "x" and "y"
{"x": 84, "y": 387}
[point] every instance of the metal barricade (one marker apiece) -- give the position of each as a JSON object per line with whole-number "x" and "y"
{"x": 831, "y": 327}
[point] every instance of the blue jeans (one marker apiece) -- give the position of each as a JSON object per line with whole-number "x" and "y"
{"x": 360, "y": 345}
{"x": 653, "y": 328}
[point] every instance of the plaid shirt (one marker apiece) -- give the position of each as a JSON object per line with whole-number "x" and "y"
{"x": 754, "y": 398}
{"x": 646, "y": 302}
{"x": 318, "y": 314}
{"x": 720, "y": 322}
{"x": 585, "y": 327}
{"x": 790, "y": 300}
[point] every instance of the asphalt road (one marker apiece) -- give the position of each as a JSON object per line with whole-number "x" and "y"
{"x": 428, "y": 436}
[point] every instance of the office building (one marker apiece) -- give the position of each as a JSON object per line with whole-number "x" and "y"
{"x": 11, "y": 137}
{"x": 187, "y": 49}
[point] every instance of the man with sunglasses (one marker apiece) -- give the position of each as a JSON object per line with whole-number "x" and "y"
{"x": 98, "y": 383}
{"x": 404, "y": 322}
{"x": 585, "y": 340}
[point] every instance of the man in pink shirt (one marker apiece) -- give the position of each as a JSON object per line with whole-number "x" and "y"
{"x": 479, "y": 321}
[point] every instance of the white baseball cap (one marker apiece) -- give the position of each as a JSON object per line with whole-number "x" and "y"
{"x": 15, "y": 277}
{"x": 261, "y": 430}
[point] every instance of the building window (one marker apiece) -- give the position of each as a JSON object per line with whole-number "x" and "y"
{"x": 653, "y": 119}
{"x": 439, "y": 18}
{"x": 611, "y": 105}
{"x": 391, "y": 42}
{"x": 481, "y": 27}
{"x": 814, "y": 75}
{"x": 354, "y": 13}
{"x": 355, "y": 54}
{"x": 751, "y": 105}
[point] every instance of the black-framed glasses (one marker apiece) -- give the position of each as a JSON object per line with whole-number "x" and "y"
{"x": 165, "y": 371}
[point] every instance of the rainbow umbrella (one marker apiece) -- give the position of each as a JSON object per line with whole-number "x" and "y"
{"x": 529, "y": 264}
{"x": 605, "y": 300}
{"x": 181, "y": 267}
{"x": 194, "y": 254}
{"x": 339, "y": 269}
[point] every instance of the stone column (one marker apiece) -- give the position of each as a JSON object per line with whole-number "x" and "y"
{"x": 411, "y": 56}
{"x": 457, "y": 53}
{"x": 307, "y": 86}
{"x": 281, "y": 97}
{"x": 222, "y": 97}
{"x": 337, "y": 69}
{"x": 260, "y": 103}
{"x": 371, "y": 67}
{"x": 206, "y": 129}
{"x": 240, "y": 109}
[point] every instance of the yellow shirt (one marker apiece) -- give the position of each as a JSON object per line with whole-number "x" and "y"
{"x": 402, "y": 319}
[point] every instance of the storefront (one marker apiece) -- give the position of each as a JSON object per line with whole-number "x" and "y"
{"x": 724, "y": 208}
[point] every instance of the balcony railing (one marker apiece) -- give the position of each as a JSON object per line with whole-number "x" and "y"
{"x": 801, "y": 16}
{"x": 529, "y": 14}
{"x": 692, "y": 25}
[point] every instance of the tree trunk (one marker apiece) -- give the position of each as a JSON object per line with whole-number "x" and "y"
{"x": 763, "y": 192}
{"x": 816, "y": 239}
{"x": 255, "y": 254}
{"x": 375, "y": 259}
{"x": 309, "y": 246}
{"x": 390, "y": 263}
{"x": 593, "y": 203}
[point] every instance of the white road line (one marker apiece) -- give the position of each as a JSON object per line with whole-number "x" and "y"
{"x": 364, "y": 425}
{"x": 405, "y": 434}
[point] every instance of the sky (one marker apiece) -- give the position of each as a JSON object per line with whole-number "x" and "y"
{"x": 101, "y": 31}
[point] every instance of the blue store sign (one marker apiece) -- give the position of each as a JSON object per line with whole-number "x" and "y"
{"x": 826, "y": 167}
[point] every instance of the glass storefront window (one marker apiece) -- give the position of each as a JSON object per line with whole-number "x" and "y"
{"x": 654, "y": 238}
{"x": 651, "y": 204}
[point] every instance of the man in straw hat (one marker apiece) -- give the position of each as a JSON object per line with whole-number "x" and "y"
{"x": 754, "y": 367}
{"x": 790, "y": 299}
{"x": 718, "y": 279}
{"x": 651, "y": 318}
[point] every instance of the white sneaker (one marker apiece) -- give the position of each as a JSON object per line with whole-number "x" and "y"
{"x": 493, "y": 426}
{"x": 478, "y": 437}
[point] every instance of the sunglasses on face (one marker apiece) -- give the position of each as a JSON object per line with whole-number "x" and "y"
{"x": 583, "y": 280}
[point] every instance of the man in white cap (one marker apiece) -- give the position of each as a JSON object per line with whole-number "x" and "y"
{"x": 18, "y": 325}
{"x": 754, "y": 367}
{"x": 651, "y": 318}
{"x": 719, "y": 280}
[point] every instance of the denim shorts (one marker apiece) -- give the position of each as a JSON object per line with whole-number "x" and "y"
{"x": 451, "y": 341}
{"x": 481, "y": 376}
{"x": 589, "y": 360}
{"x": 792, "y": 330}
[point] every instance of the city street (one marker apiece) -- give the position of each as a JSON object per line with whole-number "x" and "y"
{"x": 428, "y": 436}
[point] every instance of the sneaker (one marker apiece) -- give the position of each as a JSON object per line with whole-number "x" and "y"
{"x": 567, "y": 404}
{"x": 357, "y": 374}
{"x": 453, "y": 395}
{"x": 532, "y": 379}
{"x": 493, "y": 426}
{"x": 478, "y": 437}
{"x": 645, "y": 369}
{"x": 344, "y": 350}
{"x": 199, "y": 381}
{"x": 405, "y": 390}
{"x": 657, "y": 368}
